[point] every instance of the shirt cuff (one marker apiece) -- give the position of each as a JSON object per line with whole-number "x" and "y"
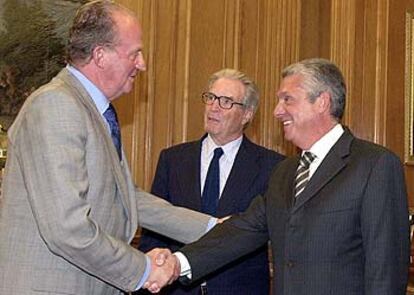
{"x": 185, "y": 265}
{"x": 146, "y": 273}
{"x": 211, "y": 223}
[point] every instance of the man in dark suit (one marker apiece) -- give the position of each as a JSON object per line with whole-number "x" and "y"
{"x": 230, "y": 102}
{"x": 338, "y": 225}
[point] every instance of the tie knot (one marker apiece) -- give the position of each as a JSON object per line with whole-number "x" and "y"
{"x": 306, "y": 159}
{"x": 110, "y": 114}
{"x": 218, "y": 152}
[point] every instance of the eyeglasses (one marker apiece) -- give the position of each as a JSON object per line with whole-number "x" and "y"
{"x": 224, "y": 101}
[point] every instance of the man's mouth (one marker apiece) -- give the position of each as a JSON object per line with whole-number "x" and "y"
{"x": 213, "y": 119}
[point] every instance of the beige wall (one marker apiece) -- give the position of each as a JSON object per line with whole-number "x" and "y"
{"x": 187, "y": 40}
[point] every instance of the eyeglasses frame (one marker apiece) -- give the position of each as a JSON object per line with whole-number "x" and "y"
{"x": 219, "y": 100}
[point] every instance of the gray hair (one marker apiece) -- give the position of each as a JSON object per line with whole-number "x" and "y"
{"x": 92, "y": 26}
{"x": 251, "y": 95}
{"x": 321, "y": 75}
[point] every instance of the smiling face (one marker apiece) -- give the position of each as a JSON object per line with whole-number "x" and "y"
{"x": 125, "y": 59}
{"x": 303, "y": 122}
{"x": 226, "y": 125}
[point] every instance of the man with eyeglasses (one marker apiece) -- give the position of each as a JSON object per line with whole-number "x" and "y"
{"x": 182, "y": 178}
{"x": 336, "y": 214}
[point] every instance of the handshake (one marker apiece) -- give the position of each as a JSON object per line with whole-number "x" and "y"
{"x": 165, "y": 269}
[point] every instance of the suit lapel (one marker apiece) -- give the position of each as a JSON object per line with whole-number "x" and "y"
{"x": 188, "y": 175}
{"x": 86, "y": 100}
{"x": 242, "y": 175}
{"x": 333, "y": 163}
{"x": 289, "y": 188}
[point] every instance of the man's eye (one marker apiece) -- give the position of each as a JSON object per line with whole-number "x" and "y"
{"x": 211, "y": 97}
{"x": 226, "y": 100}
{"x": 134, "y": 55}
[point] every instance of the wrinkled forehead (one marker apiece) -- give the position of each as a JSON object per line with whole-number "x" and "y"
{"x": 228, "y": 87}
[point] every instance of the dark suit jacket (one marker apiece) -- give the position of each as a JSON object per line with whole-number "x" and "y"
{"x": 177, "y": 179}
{"x": 346, "y": 234}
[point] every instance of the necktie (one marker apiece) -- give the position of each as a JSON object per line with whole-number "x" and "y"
{"x": 302, "y": 174}
{"x": 112, "y": 119}
{"x": 211, "y": 190}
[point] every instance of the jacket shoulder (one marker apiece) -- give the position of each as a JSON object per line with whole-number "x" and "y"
{"x": 370, "y": 151}
{"x": 262, "y": 152}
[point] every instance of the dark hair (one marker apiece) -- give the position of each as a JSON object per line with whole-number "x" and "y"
{"x": 320, "y": 75}
{"x": 92, "y": 26}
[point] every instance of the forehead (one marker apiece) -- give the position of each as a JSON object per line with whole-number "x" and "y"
{"x": 290, "y": 83}
{"x": 228, "y": 87}
{"x": 129, "y": 29}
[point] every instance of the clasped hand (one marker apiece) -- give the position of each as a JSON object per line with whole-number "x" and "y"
{"x": 165, "y": 269}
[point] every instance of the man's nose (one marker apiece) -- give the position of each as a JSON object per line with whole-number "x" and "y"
{"x": 279, "y": 109}
{"x": 140, "y": 63}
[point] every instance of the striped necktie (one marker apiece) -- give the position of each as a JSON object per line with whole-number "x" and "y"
{"x": 302, "y": 173}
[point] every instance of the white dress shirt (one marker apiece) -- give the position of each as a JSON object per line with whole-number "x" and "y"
{"x": 322, "y": 147}
{"x": 226, "y": 160}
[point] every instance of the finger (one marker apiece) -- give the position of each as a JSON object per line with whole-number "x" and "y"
{"x": 154, "y": 288}
{"x": 160, "y": 259}
{"x": 176, "y": 268}
{"x": 221, "y": 220}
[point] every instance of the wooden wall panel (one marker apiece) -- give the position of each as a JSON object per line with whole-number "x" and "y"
{"x": 132, "y": 108}
{"x": 315, "y": 29}
{"x": 382, "y": 69}
{"x": 187, "y": 40}
{"x": 269, "y": 41}
{"x": 395, "y": 94}
{"x": 342, "y": 49}
{"x": 208, "y": 47}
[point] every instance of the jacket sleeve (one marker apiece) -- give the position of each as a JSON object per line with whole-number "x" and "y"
{"x": 385, "y": 228}
{"x": 226, "y": 242}
{"x": 150, "y": 239}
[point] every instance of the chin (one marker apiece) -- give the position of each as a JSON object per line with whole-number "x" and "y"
{"x": 209, "y": 130}
{"x": 288, "y": 136}
{"x": 210, "y": 127}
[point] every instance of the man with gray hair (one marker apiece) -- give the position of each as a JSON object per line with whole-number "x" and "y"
{"x": 243, "y": 169}
{"x": 69, "y": 207}
{"x": 336, "y": 214}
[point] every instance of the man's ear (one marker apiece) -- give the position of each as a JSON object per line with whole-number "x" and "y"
{"x": 324, "y": 102}
{"x": 247, "y": 116}
{"x": 98, "y": 56}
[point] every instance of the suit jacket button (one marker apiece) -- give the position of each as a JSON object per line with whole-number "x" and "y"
{"x": 289, "y": 264}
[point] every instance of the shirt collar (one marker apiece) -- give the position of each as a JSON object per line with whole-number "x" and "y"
{"x": 322, "y": 147}
{"x": 98, "y": 97}
{"x": 229, "y": 148}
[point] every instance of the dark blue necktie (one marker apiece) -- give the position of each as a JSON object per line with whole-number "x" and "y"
{"x": 211, "y": 190}
{"x": 112, "y": 118}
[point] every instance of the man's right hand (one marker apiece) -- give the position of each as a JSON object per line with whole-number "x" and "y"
{"x": 165, "y": 269}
